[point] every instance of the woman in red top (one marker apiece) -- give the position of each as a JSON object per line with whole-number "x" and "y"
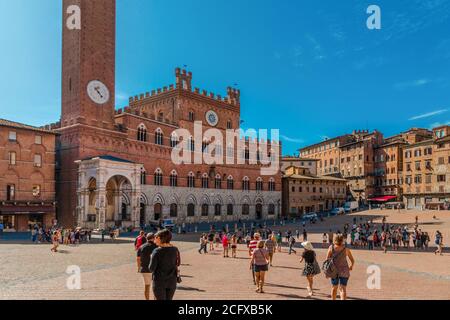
{"x": 225, "y": 246}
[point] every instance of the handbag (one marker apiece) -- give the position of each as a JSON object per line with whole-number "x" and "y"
{"x": 329, "y": 268}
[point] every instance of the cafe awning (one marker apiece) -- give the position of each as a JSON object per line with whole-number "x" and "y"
{"x": 383, "y": 199}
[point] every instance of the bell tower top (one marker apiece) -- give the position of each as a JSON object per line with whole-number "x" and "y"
{"x": 88, "y": 63}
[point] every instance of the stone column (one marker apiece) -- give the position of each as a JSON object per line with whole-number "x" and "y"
{"x": 101, "y": 207}
{"x": 135, "y": 209}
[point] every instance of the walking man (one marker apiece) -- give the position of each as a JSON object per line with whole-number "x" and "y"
{"x": 291, "y": 245}
{"x": 144, "y": 254}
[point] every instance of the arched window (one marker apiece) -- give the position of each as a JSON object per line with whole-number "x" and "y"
{"x": 205, "y": 181}
{"x": 247, "y": 154}
{"x": 218, "y": 209}
{"x": 160, "y": 116}
{"x": 173, "y": 179}
{"x": 158, "y": 177}
{"x": 143, "y": 177}
{"x": 159, "y": 137}
{"x": 191, "y": 210}
{"x": 230, "y": 209}
{"x": 246, "y": 184}
{"x": 174, "y": 140}
{"x": 271, "y": 211}
{"x": 218, "y": 182}
{"x": 205, "y": 210}
{"x": 191, "y": 144}
{"x": 173, "y": 210}
{"x": 230, "y": 183}
{"x": 245, "y": 209}
{"x": 191, "y": 180}
{"x": 259, "y": 184}
{"x": 142, "y": 133}
{"x": 191, "y": 116}
{"x": 229, "y": 124}
{"x": 271, "y": 184}
{"x": 230, "y": 151}
{"x": 205, "y": 146}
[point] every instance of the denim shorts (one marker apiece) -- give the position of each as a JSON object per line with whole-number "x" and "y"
{"x": 339, "y": 280}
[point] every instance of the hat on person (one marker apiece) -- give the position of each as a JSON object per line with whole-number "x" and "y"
{"x": 307, "y": 245}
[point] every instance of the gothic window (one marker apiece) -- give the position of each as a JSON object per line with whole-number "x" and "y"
{"x": 218, "y": 182}
{"x": 159, "y": 137}
{"x": 205, "y": 181}
{"x": 218, "y": 210}
{"x": 158, "y": 177}
{"x": 205, "y": 210}
{"x": 173, "y": 210}
{"x": 230, "y": 209}
{"x": 230, "y": 183}
{"x": 191, "y": 180}
{"x": 174, "y": 140}
{"x": 142, "y": 133}
{"x": 143, "y": 177}
{"x": 246, "y": 184}
{"x": 259, "y": 185}
{"x": 174, "y": 179}
{"x": 191, "y": 210}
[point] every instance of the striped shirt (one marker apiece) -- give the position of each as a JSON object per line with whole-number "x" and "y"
{"x": 252, "y": 246}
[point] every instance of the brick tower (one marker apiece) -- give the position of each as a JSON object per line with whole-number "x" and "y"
{"x": 88, "y": 88}
{"x": 89, "y": 55}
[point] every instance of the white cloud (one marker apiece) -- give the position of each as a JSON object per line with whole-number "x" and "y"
{"x": 288, "y": 139}
{"x": 412, "y": 84}
{"x": 429, "y": 114}
{"x": 439, "y": 124}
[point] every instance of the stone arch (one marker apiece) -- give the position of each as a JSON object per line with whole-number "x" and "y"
{"x": 206, "y": 200}
{"x": 230, "y": 200}
{"x": 191, "y": 199}
{"x": 218, "y": 200}
{"x": 259, "y": 200}
{"x": 246, "y": 200}
{"x": 158, "y": 198}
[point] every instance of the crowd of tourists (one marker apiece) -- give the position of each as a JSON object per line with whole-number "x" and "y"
{"x": 367, "y": 235}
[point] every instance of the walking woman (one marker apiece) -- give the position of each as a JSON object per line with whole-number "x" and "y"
{"x": 439, "y": 240}
{"x": 234, "y": 243}
{"x": 339, "y": 253}
{"x": 260, "y": 264}
{"x": 312, "y": 267}
{"x": 225, "y": 246}
{"x": 164, "y": 266}
{"x": 55, "y": 241}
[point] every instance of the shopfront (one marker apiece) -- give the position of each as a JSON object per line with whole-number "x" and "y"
{"x": 17, "y": 218}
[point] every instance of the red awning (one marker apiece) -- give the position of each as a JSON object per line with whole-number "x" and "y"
{"x": 383, "y": 199}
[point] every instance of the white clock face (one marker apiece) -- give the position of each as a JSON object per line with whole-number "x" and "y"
{"x": 98, "y": 92}
{"x": 212, "y": 118}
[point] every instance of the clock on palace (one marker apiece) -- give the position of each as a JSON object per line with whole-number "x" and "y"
{"x": 212, "y": 118}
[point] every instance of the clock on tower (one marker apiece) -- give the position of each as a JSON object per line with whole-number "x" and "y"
{"x": 88, "y": 63}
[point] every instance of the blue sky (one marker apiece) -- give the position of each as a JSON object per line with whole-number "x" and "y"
{"x": 309, "y": 68}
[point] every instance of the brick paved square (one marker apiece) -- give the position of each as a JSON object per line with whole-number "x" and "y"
{"x": 108, "y": 270}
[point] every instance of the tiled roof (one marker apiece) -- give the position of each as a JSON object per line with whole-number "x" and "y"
{"x": 323, "y": 178}
{"x": 12, "y": 124}
{"x": 110, "y": 158}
